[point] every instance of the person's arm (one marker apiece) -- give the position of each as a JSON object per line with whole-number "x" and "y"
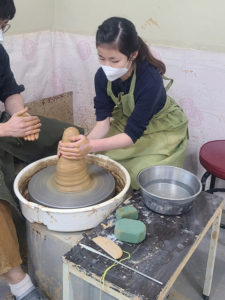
{"x": 18, "y": 126}
{"x": 150, "y": 98}
{"x": 97, "y": 141}
{"x": 118, "y": 141}
{"x": 94, "y": 142}
{"x": 14, "y": 103}
{"x": 21, "y": 124}
{"x": 80, "y": 145}
{"x": 100, "y": 130}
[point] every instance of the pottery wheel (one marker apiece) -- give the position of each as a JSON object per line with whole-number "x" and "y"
{"x": 42, "y": 189}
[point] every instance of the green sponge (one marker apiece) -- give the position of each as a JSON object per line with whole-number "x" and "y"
{"x": 129, "y": 212}
{"x": 131, "y": 231}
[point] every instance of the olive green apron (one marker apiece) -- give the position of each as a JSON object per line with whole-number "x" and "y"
{"x": 11, "y": 148}
{"x": 163, "y": 142}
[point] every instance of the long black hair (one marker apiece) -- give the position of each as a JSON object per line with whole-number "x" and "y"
{"x": 7, "y": 9}
{"x": 121, "y": 34}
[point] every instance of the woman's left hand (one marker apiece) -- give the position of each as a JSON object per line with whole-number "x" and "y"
{"x": 78, "y": 147}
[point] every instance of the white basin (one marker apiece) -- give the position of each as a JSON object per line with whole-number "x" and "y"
{"x": 69, "y": 220}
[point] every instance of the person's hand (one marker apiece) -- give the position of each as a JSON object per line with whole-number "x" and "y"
{"x": 21, "y": 124}
{"x": 31, "y": 137}
{"x": 78, "y": 147}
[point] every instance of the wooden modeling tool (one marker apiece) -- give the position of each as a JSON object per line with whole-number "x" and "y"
{"x": 108, "y": 246}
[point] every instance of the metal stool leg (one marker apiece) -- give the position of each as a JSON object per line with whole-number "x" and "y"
{"x": 216, "y": 190}
{"x": 212, "y": 188}
{"x": 213, "y": 181}
{"x": 222, "y": 226}
{"x": 204, "y": 178}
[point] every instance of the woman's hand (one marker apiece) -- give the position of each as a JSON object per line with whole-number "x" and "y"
{"x": 78, "y": 147}
{"x": 21, "y": 124}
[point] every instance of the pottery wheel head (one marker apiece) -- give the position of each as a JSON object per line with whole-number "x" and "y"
{"x": 42, "y": 189}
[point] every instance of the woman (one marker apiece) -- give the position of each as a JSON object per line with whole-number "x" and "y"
{"x": 147, "y": 126}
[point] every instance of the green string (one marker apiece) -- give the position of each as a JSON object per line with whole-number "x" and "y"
{"x": 102, "y": 280}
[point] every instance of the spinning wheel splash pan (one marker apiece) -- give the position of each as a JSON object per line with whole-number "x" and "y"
{"x": 42, "y": 189}
{"x": 74, "y": 219}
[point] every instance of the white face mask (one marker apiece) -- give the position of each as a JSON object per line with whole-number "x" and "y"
{"x": 1, "y": 36}
{"x": 114, "y": 73}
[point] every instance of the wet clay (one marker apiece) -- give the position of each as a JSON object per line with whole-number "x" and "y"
{"x": 71, "y": 175}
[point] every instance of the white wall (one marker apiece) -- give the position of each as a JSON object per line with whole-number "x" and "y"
{"x": 32, "y": 15}
{"x": 188, "y": 24}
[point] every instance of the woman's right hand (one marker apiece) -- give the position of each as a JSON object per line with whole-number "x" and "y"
{"x": 22, "y": 126}
{"x": 78, "y": 147}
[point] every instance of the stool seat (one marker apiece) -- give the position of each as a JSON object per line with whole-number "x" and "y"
{"x": 212, "y": 158}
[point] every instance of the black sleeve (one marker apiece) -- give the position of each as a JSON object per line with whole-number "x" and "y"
{"x": 103, "y": 104}
{"x": 150, "y": 97}
{"x": 8, "y": 85}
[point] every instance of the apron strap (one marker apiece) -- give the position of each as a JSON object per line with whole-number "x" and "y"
{"x": 170, "y": 82}
{"x": 133, "y": 81}
{"x": 110, "y": 93}
{"x": 109, "y": 88}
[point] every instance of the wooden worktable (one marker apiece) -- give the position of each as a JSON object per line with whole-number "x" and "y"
{"x": 170, "y": 242}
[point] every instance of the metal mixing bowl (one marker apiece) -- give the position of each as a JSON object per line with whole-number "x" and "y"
{"x": 168, "y": 190}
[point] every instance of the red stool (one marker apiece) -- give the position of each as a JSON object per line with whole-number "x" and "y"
{"x": 212, "y": 158}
